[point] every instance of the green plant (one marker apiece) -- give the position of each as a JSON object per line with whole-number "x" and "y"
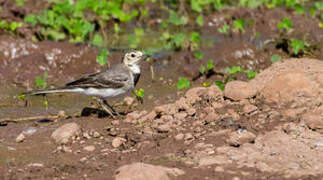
{"x": 250, "y": 3}
{"x": 297, "y": 45}
{"x": 10, "y": 26}
{"x": 140, "y": 93}
{"x": 199, "y": 55}
{"x": 182, "y": 83}
{"x": 199, "y": 20}
{"x": 97, "y": 40}
{"x": 224, "y": 29}
{"x": 210, "y": 64}
{"x": 285, "y": 24}
{"x": 220, "y": 85}
{"x": 175, "y": 19}
{"x": 41, "y": 82}
{"x": 202, "y": 69}
{"x": 239, "y": 24}
{"x": 275, "y": 58}
{"x": 102, "y": 57}
{"x": 237, "y": 69}
{"x": 206, "y": 84}
{"x": 20, "y": 2}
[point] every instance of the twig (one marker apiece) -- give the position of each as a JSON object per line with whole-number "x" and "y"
{"x": 17, "y": 120}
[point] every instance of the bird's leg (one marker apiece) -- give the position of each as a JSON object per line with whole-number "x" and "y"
{"x": 103, "y": 105}
{"x": 106, "y": 103}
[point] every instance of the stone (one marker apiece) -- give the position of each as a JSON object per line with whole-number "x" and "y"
{"x": 164, "y": 128}
{"x": 89, "y": 148}
{"x": 296, "y": 80}
{"x": 210, "y": 160}
{"x": 142, "y": 171}
{"x": 249, "y": 108}
{"x": 118, "y": 141}
{"x": 313, "y": 121}
{"x": 240, "y": 137}
{"x": 20, "y": 138}
{"x": 62, "y": 134}
{"x": 128, "y": 100}
{"x": 179, "y": 137}
{"x": 238, "y": 90}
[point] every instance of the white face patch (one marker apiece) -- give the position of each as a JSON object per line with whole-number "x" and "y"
{"x": 135, "y": 69}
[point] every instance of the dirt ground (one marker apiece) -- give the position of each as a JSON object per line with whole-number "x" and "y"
{"x": 267, "y": 128}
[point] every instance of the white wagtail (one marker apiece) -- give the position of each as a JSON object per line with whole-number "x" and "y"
{"x": 111, "y": 82}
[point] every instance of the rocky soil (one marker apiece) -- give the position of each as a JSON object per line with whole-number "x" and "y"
{"x": 268, "y": 128}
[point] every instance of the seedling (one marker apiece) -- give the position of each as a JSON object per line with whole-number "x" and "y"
{"x": 224, "y": 29}
{"x": 236, "y": 69}
{"x": 275, "y": 58}
{"x": 206, "y": 84}
{"x": 199, "y": 55}
{"x": 98, "y": 40}
{"x": 182, "y": 83}
{"x": 210, "y": 64}
{"x": 239, "y": 24}
{"x": 102, "y": 58}
{"x": 297, "y": 45}
{"x": 202, "y": 69}
{"x": 175, "y": 19}
{"x": 220, "y": 85}
{"x": 285, "y": 24}
{"x": 199, "y": 20}
{"x": 140, "y": 95}
{"x": 41, "y": 82}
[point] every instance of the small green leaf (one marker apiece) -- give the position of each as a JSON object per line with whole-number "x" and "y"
{"x": 285, "y": 24}
{"x": 239, "y": 24}
{"x": 102, "y": 58}
{"x": 206, "y": 84}
{"x": 275, "y": 58}
{"x": 251, "y": 74}
{"x": 183, "y": 83}
{"x": 199, "y": 55}
{"x": 140, "y": 93}
{"x": 31, "y": 19}
{"x": 21, "y": 96}
{"x": 297, "y": 45}
{"x": 220, "y": 85}
{"x": 202, "y": 69}
{"x": 234, "y": 70}
{"x": 195, "y": 37}
{"x": 224, "y": 29}
{"x": 199, "y": 20}
{"x": 210, "y": 64}
{"x": 98, "y": 40}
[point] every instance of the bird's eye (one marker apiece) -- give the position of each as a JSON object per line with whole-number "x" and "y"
{"x": 133, "y": 55}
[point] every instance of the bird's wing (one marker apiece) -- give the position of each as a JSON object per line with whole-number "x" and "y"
{"x": 111, "y": 78}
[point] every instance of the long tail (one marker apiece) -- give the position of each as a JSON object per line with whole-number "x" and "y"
{"x": 47, "y": 91}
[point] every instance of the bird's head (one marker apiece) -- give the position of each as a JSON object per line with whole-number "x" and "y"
{"x": 134, "y": 58}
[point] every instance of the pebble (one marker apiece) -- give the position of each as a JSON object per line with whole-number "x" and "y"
{"x": 96, "y": 134}
{"x": 62, "y": 134}
{"x": 89, "y": 148}
{"x": 164, "y": 128}
{"x": 129, "y": 100}
{"x": 36, "y": 165}
{"x": 118, "y": 141}
{"x": 20, "y": 138}
{"x": 179, "y": 137}
{"x": 249, "y": 108}
{"x": 83, "y": 159}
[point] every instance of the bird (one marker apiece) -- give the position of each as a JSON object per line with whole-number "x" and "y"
{"x": 111, "y": 82}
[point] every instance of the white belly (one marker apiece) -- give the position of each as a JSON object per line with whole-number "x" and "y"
{"x": 100, "y": 92}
